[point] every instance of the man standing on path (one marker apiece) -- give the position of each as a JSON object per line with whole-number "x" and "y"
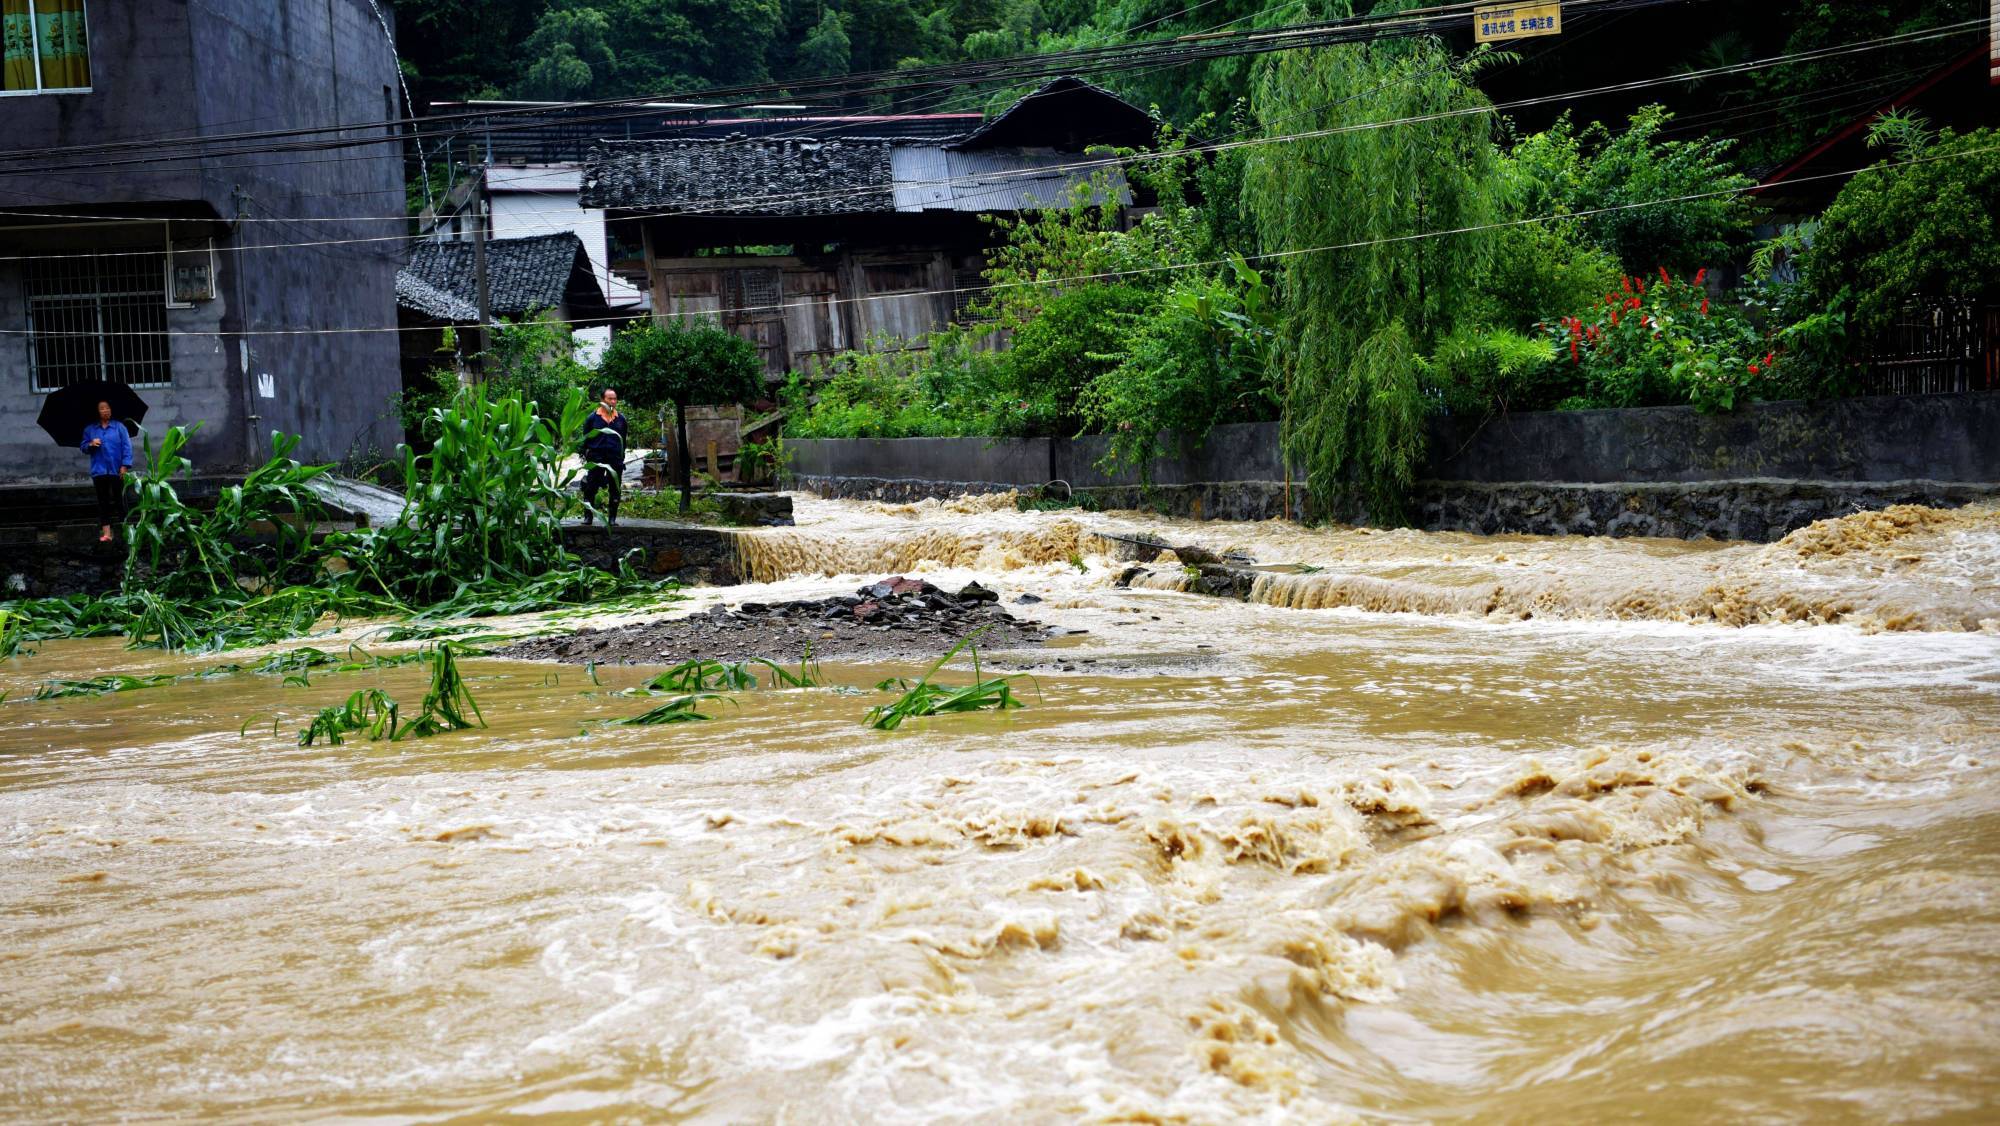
{"x": 604, "y": 450}
{"x": 110, "y": 450}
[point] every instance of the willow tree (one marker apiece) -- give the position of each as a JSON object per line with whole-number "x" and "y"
{"x": 1368, "y": 216}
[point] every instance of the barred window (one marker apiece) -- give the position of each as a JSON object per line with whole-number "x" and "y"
{"x": 94, "y": 317}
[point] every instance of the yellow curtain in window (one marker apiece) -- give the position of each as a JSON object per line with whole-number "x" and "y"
{"x": 17, "y": 38}
{"x": 65, "y": 44}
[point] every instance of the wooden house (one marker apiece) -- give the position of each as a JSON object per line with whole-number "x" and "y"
{"x": 821, "y": 238}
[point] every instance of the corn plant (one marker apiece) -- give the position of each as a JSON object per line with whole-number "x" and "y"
{"x": 480, "y": 534}
{"x": 370, "y": 710}
{"x": 101, "y": 685}
{"x": 807, "y": 676}
{"x": 927, "y": 698}
{"x": 486, "y": 502}
{"x": 700, "y": 675}
{"x": 448, "y": 704}
{"x": 680, "y": 709}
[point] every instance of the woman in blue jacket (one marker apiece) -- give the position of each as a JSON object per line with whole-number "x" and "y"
{"x": 110, "y": 451}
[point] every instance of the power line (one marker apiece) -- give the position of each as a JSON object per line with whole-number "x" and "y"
{"x": 1098, "y": 162}
{"x": 1108, "y": 275}
{"x": 1103, "y": 59}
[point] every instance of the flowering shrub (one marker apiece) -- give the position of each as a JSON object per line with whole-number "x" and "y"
{"x": 1658, "y": 341}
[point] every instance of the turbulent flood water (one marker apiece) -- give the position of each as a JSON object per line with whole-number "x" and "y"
{"x": 1492, "y": 828}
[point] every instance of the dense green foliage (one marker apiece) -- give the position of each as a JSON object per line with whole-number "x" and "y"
{"x": 1611, "y": 181}
{"x": 1388, "y": 248}
{"x": 1924, "y": 221}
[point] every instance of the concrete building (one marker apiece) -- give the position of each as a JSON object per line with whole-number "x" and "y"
{"x": 247, "y": 284}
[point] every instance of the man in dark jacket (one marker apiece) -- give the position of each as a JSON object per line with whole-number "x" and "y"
{"x": 604, "y": 452}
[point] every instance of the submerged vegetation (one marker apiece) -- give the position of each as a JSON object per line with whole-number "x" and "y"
{"x": 926, "y": 697}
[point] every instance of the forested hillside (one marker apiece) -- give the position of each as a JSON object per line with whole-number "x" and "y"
{"x": 577, "y": 49}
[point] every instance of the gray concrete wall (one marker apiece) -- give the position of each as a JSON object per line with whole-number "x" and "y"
{"x": 166, "y": 70}
{"x": 1001, "y": 461}
{"x": 1667, "y": 471}
{"x": 1915, "y": 437}
{"x": 304, "y": 63}
{"x": 1900, "y": 438}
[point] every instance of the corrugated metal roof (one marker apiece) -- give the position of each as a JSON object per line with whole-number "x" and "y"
{"x": 932, "y": 178}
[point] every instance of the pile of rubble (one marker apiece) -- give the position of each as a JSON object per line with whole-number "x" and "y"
{"x": 896, "y": 617}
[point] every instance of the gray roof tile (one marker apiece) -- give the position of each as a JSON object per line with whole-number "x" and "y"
{"x": 522, "y": 275}
{"x": 742, "y": 176}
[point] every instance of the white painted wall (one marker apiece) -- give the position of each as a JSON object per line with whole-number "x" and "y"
{"x": 540, "y": 199}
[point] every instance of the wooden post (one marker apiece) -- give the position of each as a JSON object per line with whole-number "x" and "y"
{"x": 714, "y": 469}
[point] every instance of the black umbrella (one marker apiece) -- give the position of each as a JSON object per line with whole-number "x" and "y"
{"x": 69, "y": 409}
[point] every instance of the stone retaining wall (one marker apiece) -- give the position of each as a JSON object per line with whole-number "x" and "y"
{"x": 1665, "y": 471}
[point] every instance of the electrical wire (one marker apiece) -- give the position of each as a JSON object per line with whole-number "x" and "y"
{"x": 1107, "y": 275}
{"x": 1095, "y": 163}
{"x": 1107, "y": 58}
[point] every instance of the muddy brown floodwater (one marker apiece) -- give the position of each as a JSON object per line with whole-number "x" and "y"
{"x": 1448, "y": 827}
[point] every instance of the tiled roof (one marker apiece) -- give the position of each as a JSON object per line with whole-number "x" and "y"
{"x": 742, "y": 176}
{"x": 1065, "y": 113}
{"x": 522, "y": 275}
{"x": 419, "y": 296}
{"x": 1017, "y": 161}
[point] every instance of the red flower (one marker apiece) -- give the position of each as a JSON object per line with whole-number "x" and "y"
{"x": 1632, "y": 304}
{"x": 1753, "y": 368}
{"x": 1614, "y": 318}
{"x": 1625, "y": 284}
{"x": 1704, "y": 306}
{"x": 1770, "y": 358}
{"x": 1664, "y": 279}
{"x": 1700, "y": 274}
{"x": 1642, "y": 286}
{"x": 1574, "y": 358}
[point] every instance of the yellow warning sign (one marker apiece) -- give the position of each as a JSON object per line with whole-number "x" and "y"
{"x": 1516, "y": 21}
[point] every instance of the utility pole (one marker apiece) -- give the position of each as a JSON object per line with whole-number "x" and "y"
{"x": 479, "y": 224}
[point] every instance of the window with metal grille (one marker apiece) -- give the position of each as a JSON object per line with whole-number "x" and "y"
{"x": 94, "y": 317}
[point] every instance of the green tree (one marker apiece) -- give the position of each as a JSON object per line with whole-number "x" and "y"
{"x": 1925, "y": 222}
{"x": 569, "y": 51}
{"x": 1364, "y": 291}
{"x": 826, "y": 50}
{"x": 536, "y": 356}
{"x": 683, "y": 364}
{"x": 1611, "y": 181}
{"x": 1799, "y": 90}
{"x": 1078, "y": 335}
